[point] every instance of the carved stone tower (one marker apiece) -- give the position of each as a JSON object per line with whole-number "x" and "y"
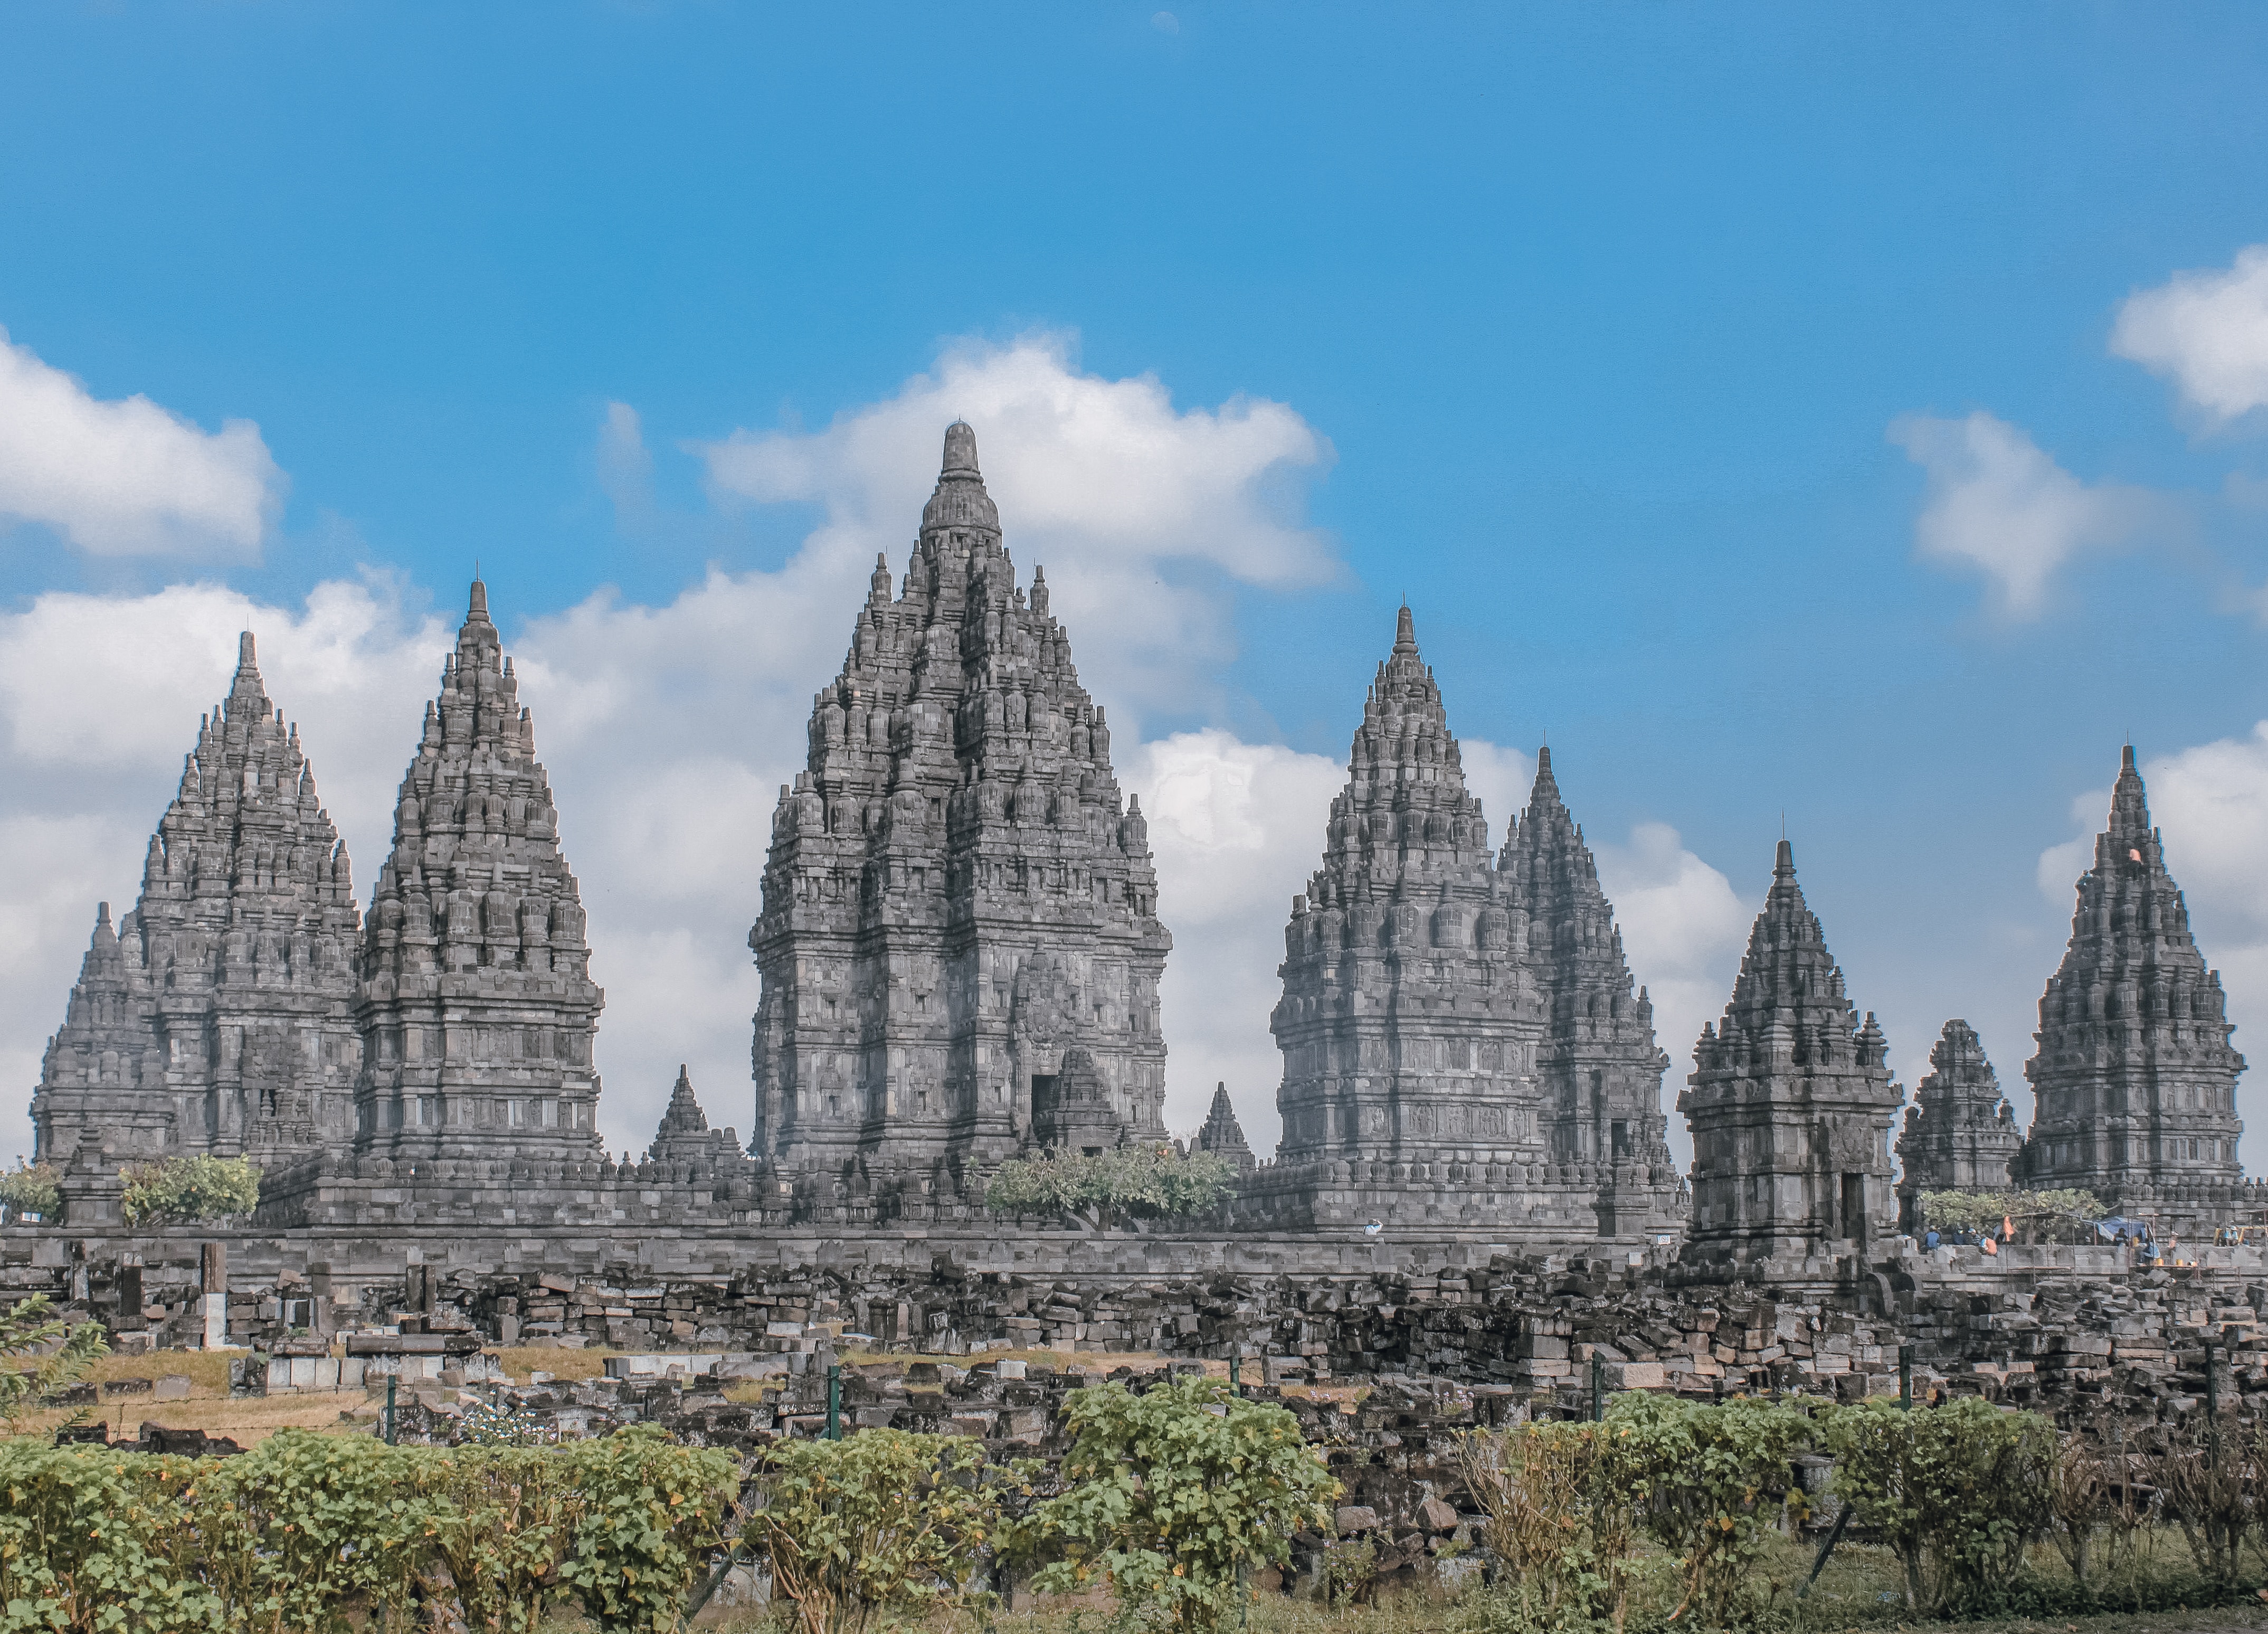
{"x": 1960, "y": 1134}
{"x": 958, "y": 945}
{"x": 217, "y": 1018}
{"x": 684, "y": 1135}
{"x": 1790, "y": 1105}
{"x": 1462, "y": 1049}
{"x": 1599, "y": 1069}
{"x": 1409, "y": 1024}
{"x": 2135, "y": 1077}
{"x": 1223, "y": 1135}
{"x": 477, "y": 1009}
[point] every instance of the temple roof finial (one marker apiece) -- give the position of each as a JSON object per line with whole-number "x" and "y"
{"x": 961, "y": 451}
{"x": 479, "y": 610}
{"x": 1783, "y": 865}
{"x": 1405, "y": 631}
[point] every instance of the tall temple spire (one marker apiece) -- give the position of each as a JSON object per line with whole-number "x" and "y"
{"x": 1790, "y": 1104}
{"x": 476, "y": 990}
{"x": 959, "y": 943}
{"x": 2135, "y": 1080}
{"x": 1222, "y": 1135}
{"x": 217, "y": 1017}
{"x": 1599, "y": 1069}
{"x": 1461, "y": 1045}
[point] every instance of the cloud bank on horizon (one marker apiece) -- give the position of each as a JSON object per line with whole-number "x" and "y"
{"x": 667, "y": 729}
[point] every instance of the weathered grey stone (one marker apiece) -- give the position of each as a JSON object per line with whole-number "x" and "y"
{"x": 1222, "y": 1135}
{"x": 1960, "y": 1134}
{"x": 477, "y": 997}
{"x": 1790, "y": 1105}
{"x": 1462, "y": 1047}
{"x": 960, "y": 946}
{"x": 684, "y": 1135}
{"x": 217, "y": 1018}
{"x": 2135, "y": 1079}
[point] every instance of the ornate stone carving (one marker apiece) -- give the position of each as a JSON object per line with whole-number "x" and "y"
{"x": 957, "y": 903}
{"x": 1960, "y": 1134}
{"x": 217, "y": 1016}
{"x": 1790, "y": 1104}
{"x": 477, "y": 1009}
{"x": 2134, "y": 1078}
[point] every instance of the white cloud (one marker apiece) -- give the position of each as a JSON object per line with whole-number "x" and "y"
{"x": 1141, "y": 512}
{"x": 1997, "y": 504}
{"x": 125, "y": 476}
{"x": 2207, "y": 330}
{"x": 2211, "y": 803}
{"x": 1683, "y": 929}
{"x": 1236, "y": 829}
{"x": 626, "y": 467}
{"x": 1501, "y": 777}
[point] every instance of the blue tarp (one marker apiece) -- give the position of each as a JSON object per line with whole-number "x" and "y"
{"x": 2116, "y": 1228}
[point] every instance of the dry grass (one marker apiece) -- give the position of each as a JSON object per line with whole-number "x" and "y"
{"x": 246, "y": 1420}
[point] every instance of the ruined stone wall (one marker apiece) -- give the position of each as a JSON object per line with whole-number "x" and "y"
{"x": 2071, "y": 1329}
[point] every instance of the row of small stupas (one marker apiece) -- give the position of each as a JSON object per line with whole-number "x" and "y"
{"x": 961, "y": 954}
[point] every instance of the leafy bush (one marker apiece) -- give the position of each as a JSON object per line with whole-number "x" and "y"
{"x": 1707, "y": 1480}
{"x": 1178, "y": 1489}
{"x": 92, "y": 1540}
{"x": 1984, "y": 1211}
{"x": 1144, "y": 1182}
{"x": 309, "y": 1532}
{"x": 27, "y": 1330}
{"x": 1956, "y": 1491}
{"x": 304, "y": 1525}
{"x": 31, "y": 1188}
{"x": 184, "y": 1190}
{"x": 884, "y": 1522}
{"x": 649, "y": 1513}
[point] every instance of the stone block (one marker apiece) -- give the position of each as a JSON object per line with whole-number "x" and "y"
{"x": 1354, "y": 1518}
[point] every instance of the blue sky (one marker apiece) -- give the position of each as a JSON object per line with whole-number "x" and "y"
{"x": 1597, "y": 322}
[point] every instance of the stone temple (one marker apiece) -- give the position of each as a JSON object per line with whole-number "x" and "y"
{"x": 1462, "y": 1046}
{"x": 960, "y": 955}
{"x": 218, "y": 1016}
{"x": 2135, "y": 1079}
{"x": 959, "y": 946}
{"x": 1791, "y": 1105}
{"x": 1961, "y": 1133}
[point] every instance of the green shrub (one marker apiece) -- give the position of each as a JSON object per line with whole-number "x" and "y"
{"x": 183, "y": 1190}
{"x": 1177, "y": 1490}
{"x": 882, "y": 1523}
{"x": 32, "y": 1189}
{"x": 649, "y": 1513}
{"x": 1984, "y": 1211}
{"x": 304, "y": 1525}
{"x": 1956, "y": 1491}
{"x": 1141, "y": 1182}
{"x": 321, "y": 1533}
{"x": 1708, "y": 1481}
{"x": 93, "y": 1539}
